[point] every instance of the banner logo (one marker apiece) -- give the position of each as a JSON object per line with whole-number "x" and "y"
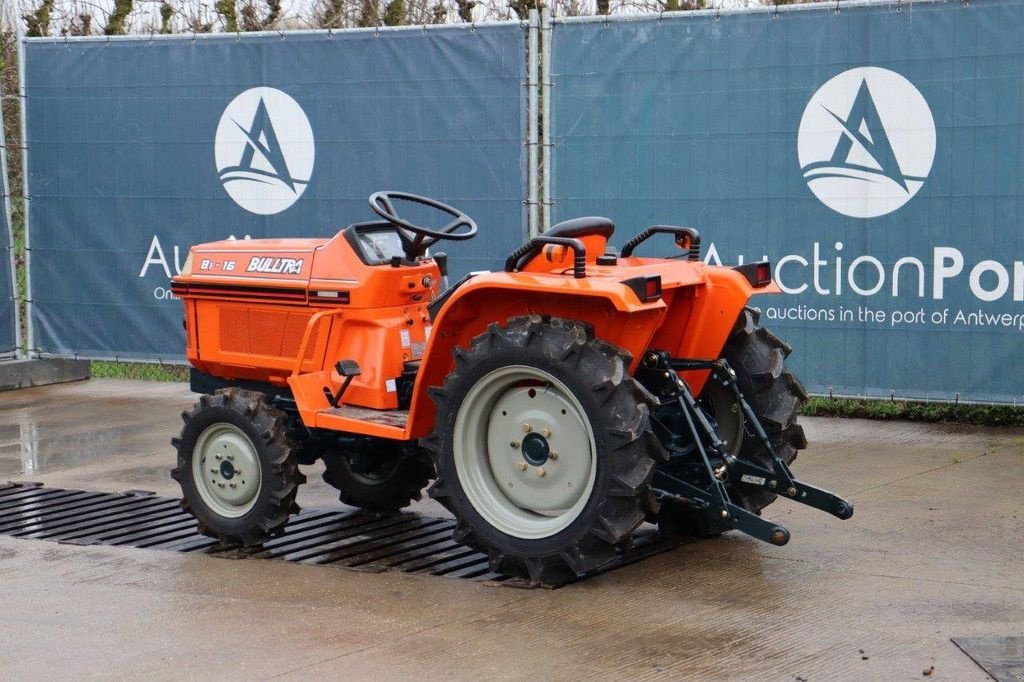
{"x": 866, "y": 142}
{"x": 264, "y": 150}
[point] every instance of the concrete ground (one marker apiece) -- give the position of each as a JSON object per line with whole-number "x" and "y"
{"x": 935, "y": 550}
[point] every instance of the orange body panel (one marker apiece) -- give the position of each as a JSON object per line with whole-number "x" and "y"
{"x": 284, "y": 311}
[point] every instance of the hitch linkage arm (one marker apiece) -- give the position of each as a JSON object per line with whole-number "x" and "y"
{"x": 778, "y": 479}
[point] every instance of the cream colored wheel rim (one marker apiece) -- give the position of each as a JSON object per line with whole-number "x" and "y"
{"x": 226, "y": 470}
{"x": 524, "y": 452}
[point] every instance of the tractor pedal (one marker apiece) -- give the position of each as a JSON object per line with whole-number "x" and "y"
{"x": 347, "y": 369}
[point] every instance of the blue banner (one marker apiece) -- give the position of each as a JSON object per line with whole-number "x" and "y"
{"x": 139, "y": 148}
{"x": 872, "y": 152}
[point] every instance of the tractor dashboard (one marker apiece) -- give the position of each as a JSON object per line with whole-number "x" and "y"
{"x": 376, "y": 243}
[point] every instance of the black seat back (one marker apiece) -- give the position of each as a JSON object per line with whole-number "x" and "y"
{"x": 582, "y": 227}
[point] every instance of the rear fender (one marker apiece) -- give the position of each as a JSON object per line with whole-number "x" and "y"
{"x": 701, "y": 319}
{"x": 494, "y": 299}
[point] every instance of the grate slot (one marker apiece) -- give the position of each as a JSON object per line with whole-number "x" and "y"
{"x": 70, "y": 514}
{"x": 46, "y": 506}
{"x": 447, "y": 567}
{"x": 374, "y": 551}
{"x": 135, "y": 533}
{"x": 311, "y": 537}
{"x": 47, "y": 525}
{"x": 472, "y": 571}
{"x": 127, "y": 514}
{"x": 27, "y": 496}
{"x": 314, "y": 543}
{"x": 191, "y": 543}
{"x": 434, "y": 559}
{"x": 362, "y": 535}
{"x": 411, "y": 552}
{"x": 182, "y": 532}
{"x": 14, "y": 488}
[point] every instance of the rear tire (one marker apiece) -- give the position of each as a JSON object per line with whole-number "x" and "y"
{"x": 775, "y": 395}
{"x": 547, "y": 519}
{"x": 383, "y": 479}
{"x": 237, "y": 468}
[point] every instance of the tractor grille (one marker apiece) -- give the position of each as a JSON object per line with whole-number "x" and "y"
{"x": 265, "y": 332}
{"x": 407, "y": 542}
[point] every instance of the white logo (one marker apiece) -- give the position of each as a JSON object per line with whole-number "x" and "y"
{"x": 264, "y": 150}
{"x": 276, "y": 266}
{"x": 866, "y": 142}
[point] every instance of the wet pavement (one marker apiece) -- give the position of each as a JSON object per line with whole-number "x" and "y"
{"x": 934, "y": 551}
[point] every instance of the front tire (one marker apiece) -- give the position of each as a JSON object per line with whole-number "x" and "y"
{"x": 543, "y": 448}
{"x": 382, "y": 477}
{"x": 237, "y": 468}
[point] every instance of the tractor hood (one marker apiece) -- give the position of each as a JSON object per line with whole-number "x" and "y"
{"x": 279, "y": 260}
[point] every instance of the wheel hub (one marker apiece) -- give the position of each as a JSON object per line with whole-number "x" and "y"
{"x": 536, "y": 449}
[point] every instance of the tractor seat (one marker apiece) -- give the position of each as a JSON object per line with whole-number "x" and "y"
{"x": 582, "y": 227}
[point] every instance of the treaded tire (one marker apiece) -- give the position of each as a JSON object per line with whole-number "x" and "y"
{"x": 265, "y": 428}
{"x": 757, "y": 356}
{"x": 398, "y": 485}
{"x": 617, "y": 409}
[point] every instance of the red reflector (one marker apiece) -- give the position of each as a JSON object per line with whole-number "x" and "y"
{"x": 758, "y": 274}
{"x": 647, "y": 289}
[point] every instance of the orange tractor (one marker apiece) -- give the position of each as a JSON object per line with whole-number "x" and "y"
{"x": 556, "y": 406}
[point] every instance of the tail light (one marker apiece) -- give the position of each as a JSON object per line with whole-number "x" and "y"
{"x": 647, "y": 289}
{"x": 758, "y": 274}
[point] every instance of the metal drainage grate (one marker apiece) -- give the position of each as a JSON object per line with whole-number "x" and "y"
{"x": 407, "y": 542}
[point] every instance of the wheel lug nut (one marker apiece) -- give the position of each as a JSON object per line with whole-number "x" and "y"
{"x": 219, "y": 456}
{"x": 527, "y": 428}
{"x": 221, "y": 485}
{"x": 232, "y": 485}
{"x": 514, "y": 444}
{"x": 546, "y": 433}
{"x": 522, "y": 466}
{"x": 231, "y": 457}
{"x": 541, "y": 472}
{"x": 553, "y": 455}
{"x": 791, "y": 492}
{"x": 213, "y": 471}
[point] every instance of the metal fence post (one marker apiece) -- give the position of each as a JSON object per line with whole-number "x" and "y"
{"x": 545, "y": 102}
{"x": 533, "y": 121}
{"x": 30, "y": 349}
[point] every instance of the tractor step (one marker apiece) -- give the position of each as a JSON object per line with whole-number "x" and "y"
{"x": 396, "y": 418}
{"x": 407, "y": 543}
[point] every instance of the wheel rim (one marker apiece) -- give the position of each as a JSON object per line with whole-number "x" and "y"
{"x": 720, "y": 403}
{"x": 226, "y": 470}
{"x": 524, "y": 452}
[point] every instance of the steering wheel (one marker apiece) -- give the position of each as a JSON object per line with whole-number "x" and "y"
{"x": 421, "y": 238}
